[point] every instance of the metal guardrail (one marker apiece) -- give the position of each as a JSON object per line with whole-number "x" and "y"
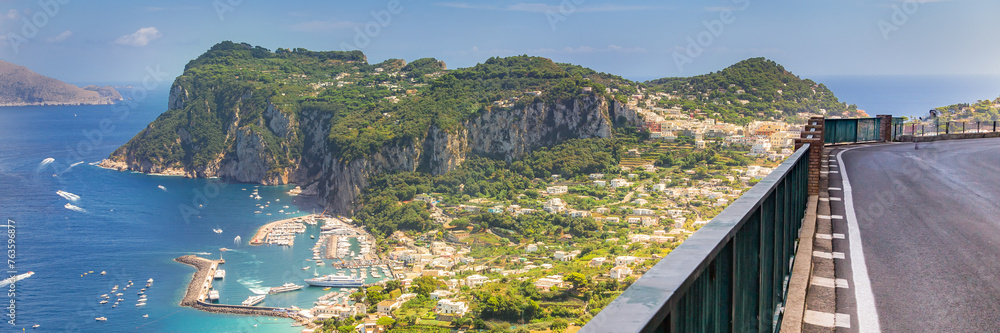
{"x": 937, "y": 127}
{"x": 730, "y": 276}
{"x": 852, "y": 130}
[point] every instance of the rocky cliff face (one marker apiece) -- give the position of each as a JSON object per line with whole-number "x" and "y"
{"x": 505, "y": 133}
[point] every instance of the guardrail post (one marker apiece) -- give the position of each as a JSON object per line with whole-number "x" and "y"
{"x": 886, "y": 127}
{"x": 813, "y": 134}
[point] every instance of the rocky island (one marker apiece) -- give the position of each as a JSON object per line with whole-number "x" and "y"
{"x": 518, "y": 191}
{"x": 20, "y": 86}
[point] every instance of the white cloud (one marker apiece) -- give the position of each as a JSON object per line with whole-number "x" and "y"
{"x": 10, "y": 15}
{"x": 544, "y": 8}
{"x": 590, "y": 49}
{"x": 323, "y": 26}
{"x": 60, "y": 37}
{"x": 141, "y": 37}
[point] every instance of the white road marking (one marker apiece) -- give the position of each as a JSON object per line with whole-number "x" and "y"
{"x": 828, "y": 255}
{"x": 833, "y": 188}
{"x": 824, "y": 236}
{"x": 834, "y": 171}
{"x": 863, "y": 295}
{"x": 829, "y": 283}
{"x": 834, "y": 199}
{"x": 827, "y": 319}
{"x": 838, "y": 236}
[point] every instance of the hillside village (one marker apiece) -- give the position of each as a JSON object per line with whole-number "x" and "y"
{"x": 643, "y": 210}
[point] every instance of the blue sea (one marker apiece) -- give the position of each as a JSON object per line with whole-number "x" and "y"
{"x": 124, "y": 224}
{"x": 911, "y": 96}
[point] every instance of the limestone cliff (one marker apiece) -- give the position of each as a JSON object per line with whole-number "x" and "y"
{"x": 504, "y": 133}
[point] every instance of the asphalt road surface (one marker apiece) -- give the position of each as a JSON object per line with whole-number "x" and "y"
{"x": 929, "y": 225}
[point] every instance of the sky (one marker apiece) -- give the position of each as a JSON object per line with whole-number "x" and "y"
{"x": 129, "y": 41}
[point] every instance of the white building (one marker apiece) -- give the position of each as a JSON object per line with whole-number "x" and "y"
{"x": 619, "y": 182}
{"x": 546, "y": 283}
{"x": 475, "y": 280}
{"x": 554, "y": 190}
{"x": 625, "y": 260}
{"x": 597, "y": 262}
{"x": 620, "y": 272}
{"x": 554, "y": 205}
{"x": 451, "y": 307}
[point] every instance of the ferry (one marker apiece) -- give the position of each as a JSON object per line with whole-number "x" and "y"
{"x": 253, "y": 300}
{"x": 213, "y": 295}
{"x": 339, "y": 281}
{"x": 16, "y": 278}
{"x": 285, "y": 288}
{"x": 220, "y": 274}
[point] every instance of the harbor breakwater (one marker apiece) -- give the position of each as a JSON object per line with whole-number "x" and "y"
{"x": 201, "y": 283}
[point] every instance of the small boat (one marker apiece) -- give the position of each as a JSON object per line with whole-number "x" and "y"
{"x": 217, "y": 230}
{"x": 145, "y": 316}
{"x": 140, "y": 304}
{"x": 35, "y": 326}
{"x": 103, "y": 272}
{"x": 312, "y": 236}
{"x": 104, "y": 296}
{"x": 327, "y": 288}
{"x": 305, "y": 268}
{"x": 101, "y": 319}
{"x": 285, "y": 288}
{"x": 104, "y": 302}
{"x": 161, "y": 187}
{"x": 253, "y": 300}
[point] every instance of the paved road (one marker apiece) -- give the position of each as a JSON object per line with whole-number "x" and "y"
{"x": 929, "y": 222}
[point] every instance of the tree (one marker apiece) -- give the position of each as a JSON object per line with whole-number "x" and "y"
{"x": 374, "y": 295}
{"x": 423, "y": 285}
{"x": 345, "y": 329}
{"x": 386, "y": 322}
{"x": 393, "y": 285}
{"x": 559, "y": 325}
{"x": 577, "y": 279}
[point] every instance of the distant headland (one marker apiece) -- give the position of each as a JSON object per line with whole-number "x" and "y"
{"x": 19, "y": 86}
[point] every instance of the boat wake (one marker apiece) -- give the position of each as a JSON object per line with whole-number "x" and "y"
{"x": 260, "y": 290}
{"x": 74, "y": 208}
{"x": 68, "y": 196}
{"x": 254, "y": 285}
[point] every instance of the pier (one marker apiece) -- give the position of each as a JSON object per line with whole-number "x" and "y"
{"x": 362, "y": 263}
{"x": 280, "y": 232}
{"x": 201, "y": 282}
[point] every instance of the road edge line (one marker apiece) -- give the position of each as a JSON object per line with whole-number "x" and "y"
{"x": 864, "y": 297}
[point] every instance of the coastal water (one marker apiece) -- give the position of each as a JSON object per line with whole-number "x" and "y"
{"x": 129, "y": 227}
{"x": 910, "y": 96}
{"x": 124, "y": 224}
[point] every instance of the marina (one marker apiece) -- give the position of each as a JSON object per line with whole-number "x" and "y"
{"x": 354, "y": 265}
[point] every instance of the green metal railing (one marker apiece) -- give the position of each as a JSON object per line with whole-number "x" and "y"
{"x": 852, "y": 130}
{"x": 730, "y": 276}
